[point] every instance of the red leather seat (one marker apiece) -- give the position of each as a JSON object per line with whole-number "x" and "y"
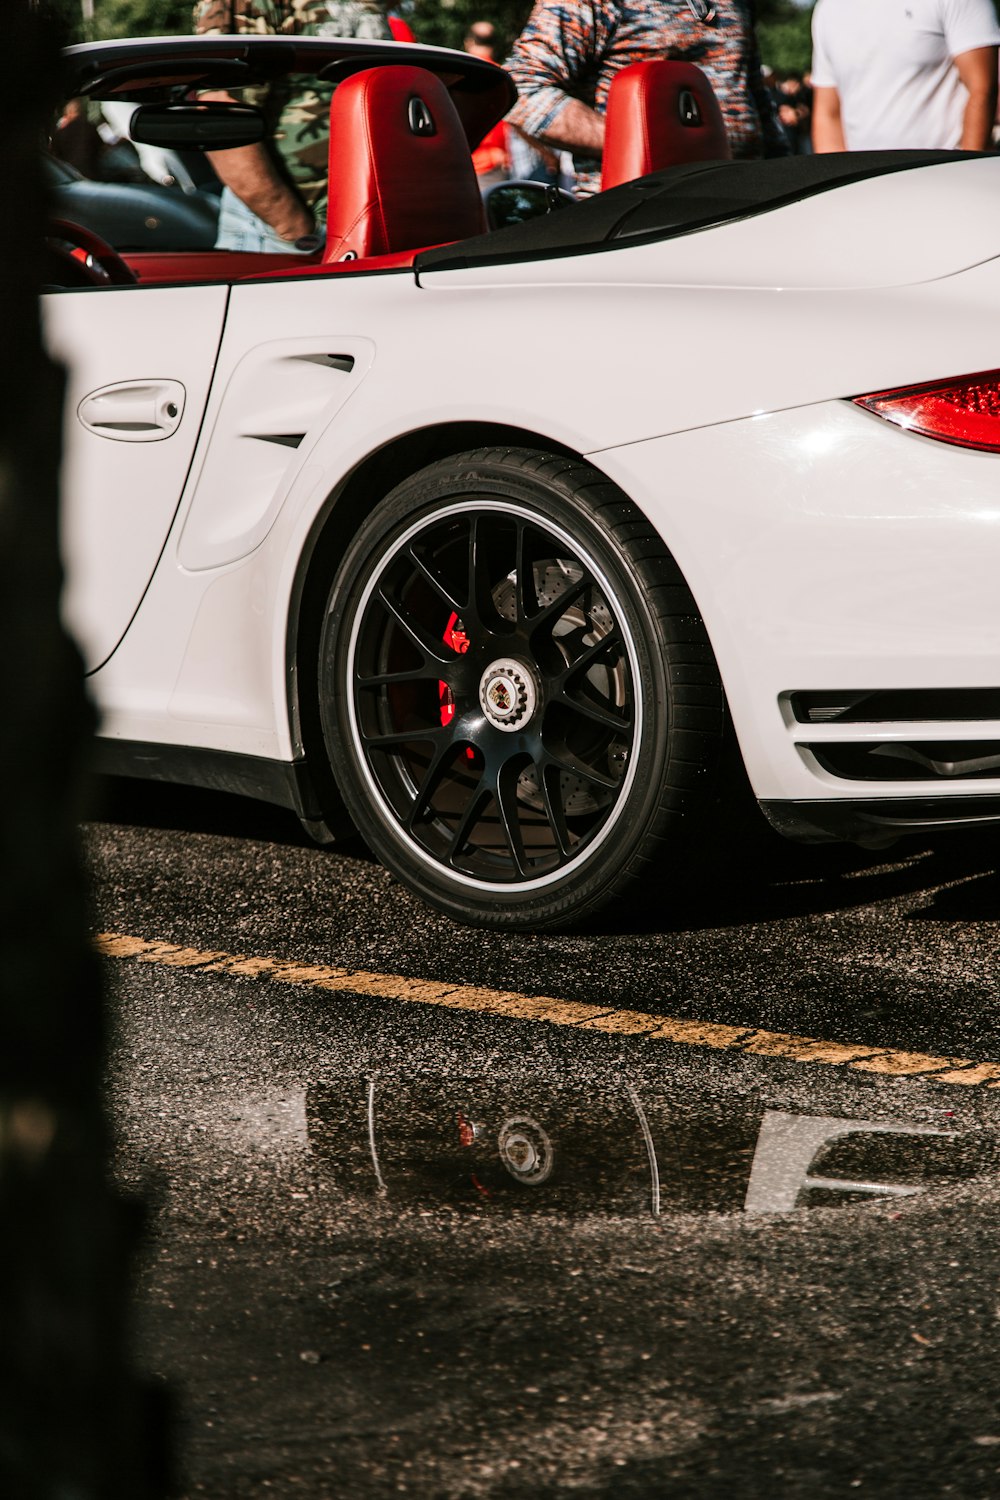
{"x": 401, "y": 173}
{"x": 660, "y": 114}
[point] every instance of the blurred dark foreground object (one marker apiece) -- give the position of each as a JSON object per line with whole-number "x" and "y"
{"x": 75, "y": 1424}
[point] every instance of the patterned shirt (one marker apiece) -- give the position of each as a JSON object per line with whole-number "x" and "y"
{"x": 573, "y": 51}
{"x": 297, "y": 110}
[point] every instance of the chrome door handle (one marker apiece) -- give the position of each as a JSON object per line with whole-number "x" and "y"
{"x": 134, "y": 411}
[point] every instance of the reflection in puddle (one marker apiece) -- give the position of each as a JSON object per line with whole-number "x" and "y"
{"x": 796, "y": 1157}
{"x": 479, "y": 1142}
{"x": 502, "y": 1146}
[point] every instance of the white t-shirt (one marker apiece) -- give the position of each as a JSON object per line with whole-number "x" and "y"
{"x": 891, "y": 63}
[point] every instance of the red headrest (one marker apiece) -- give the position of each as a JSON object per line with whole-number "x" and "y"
{"x": 660, "y": 114}
{"x": 401, "y": 174}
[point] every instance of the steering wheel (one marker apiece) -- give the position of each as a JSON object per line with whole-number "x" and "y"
{"x": 93, "y": 260}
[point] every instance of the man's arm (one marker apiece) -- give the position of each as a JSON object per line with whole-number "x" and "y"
{"x": 827, "y": 126}
{"x": 251, "y": 174}
{"x": 575, "y": 128}
{"x": 554, "y": 60}
{"x": 250, "y": 171}
{"x": 978, "y": 71}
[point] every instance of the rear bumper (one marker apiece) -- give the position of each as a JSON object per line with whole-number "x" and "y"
{"x": 834, "y": 558}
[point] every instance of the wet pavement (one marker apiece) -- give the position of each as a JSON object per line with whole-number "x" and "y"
{"x": 399, "y": 1247}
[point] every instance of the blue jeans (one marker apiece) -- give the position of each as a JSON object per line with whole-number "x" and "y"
{"x": 241, "y": 229}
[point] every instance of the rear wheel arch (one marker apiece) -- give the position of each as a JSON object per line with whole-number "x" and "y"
{"x": 329, "y": 539}
{"x": 570, "y": 848}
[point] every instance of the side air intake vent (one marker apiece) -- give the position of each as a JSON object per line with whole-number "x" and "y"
{"x": 910, "y": 706}
{"x": 918, "y": 760}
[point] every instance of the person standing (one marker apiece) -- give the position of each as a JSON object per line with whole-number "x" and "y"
{"x": 904, "y": 73}
{"x": 274, "y": 193}
{"x": 566, "y": 57}
{"x": 77, "y": 141}
{"x": 491, "y": 157}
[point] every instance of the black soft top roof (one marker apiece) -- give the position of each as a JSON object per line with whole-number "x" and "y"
{"x": 677, "y": 201}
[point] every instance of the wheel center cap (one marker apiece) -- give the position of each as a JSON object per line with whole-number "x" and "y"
{"x": 508, "y": 694}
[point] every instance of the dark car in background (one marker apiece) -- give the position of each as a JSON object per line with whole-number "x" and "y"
{"x": 132, "y": 216}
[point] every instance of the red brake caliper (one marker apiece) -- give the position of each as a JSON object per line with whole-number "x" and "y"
{"x": 456, "y": 638}
{"x": 467, "y": 1133}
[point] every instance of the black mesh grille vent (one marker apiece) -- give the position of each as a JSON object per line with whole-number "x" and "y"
{"x": 909, "y": 705}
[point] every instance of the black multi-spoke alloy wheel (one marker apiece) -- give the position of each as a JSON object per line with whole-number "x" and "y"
{"x": 518, "y": 696}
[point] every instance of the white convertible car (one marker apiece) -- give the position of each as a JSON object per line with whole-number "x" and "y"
{"x": 499, "y": 538}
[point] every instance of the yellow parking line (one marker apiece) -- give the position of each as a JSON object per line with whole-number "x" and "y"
{"x": 604, "y": 1018}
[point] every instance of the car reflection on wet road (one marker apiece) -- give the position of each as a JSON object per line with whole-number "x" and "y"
{"x": 477, "y": 1144}
{"x": 699, "y": 1210}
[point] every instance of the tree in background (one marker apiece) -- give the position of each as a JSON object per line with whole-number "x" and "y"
{"x": 783, "y": 24}
{"x": 141, "y": 17}
{"x": 785, "y": 38}
{"x": 119, "y": 18}
{"x": 444, "y": 23}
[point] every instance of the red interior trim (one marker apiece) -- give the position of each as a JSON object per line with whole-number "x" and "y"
{"x": 208, "y": 265}
{"x": 399, "y": 260}
{"x": 192, "y": 266}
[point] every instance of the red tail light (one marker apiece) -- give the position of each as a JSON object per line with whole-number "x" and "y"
{"x": 964, "y": 411}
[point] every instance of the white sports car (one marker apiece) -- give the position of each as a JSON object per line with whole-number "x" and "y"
{"x": 499, "y": 544}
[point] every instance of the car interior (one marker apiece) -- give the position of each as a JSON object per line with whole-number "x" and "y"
{"x": 401, "y": 179}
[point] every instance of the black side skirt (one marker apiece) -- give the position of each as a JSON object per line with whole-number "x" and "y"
{"x": 877, "y": 822}
{"x": 284, "y": 783}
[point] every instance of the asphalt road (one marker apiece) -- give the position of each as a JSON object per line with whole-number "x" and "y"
{"x": 703, "y": 1207}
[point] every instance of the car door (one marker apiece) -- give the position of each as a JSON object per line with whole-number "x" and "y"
{"x": 139, "y": 364}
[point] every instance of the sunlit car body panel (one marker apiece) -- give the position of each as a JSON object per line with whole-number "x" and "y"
{"x": 793, "y": 498}
{"x": 708, "y": 373}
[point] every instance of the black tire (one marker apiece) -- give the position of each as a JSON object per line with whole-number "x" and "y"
{"x": 518, "y": 696}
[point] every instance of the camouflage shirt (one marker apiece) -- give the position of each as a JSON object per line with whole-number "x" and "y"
{"x": 298, "y": 109}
